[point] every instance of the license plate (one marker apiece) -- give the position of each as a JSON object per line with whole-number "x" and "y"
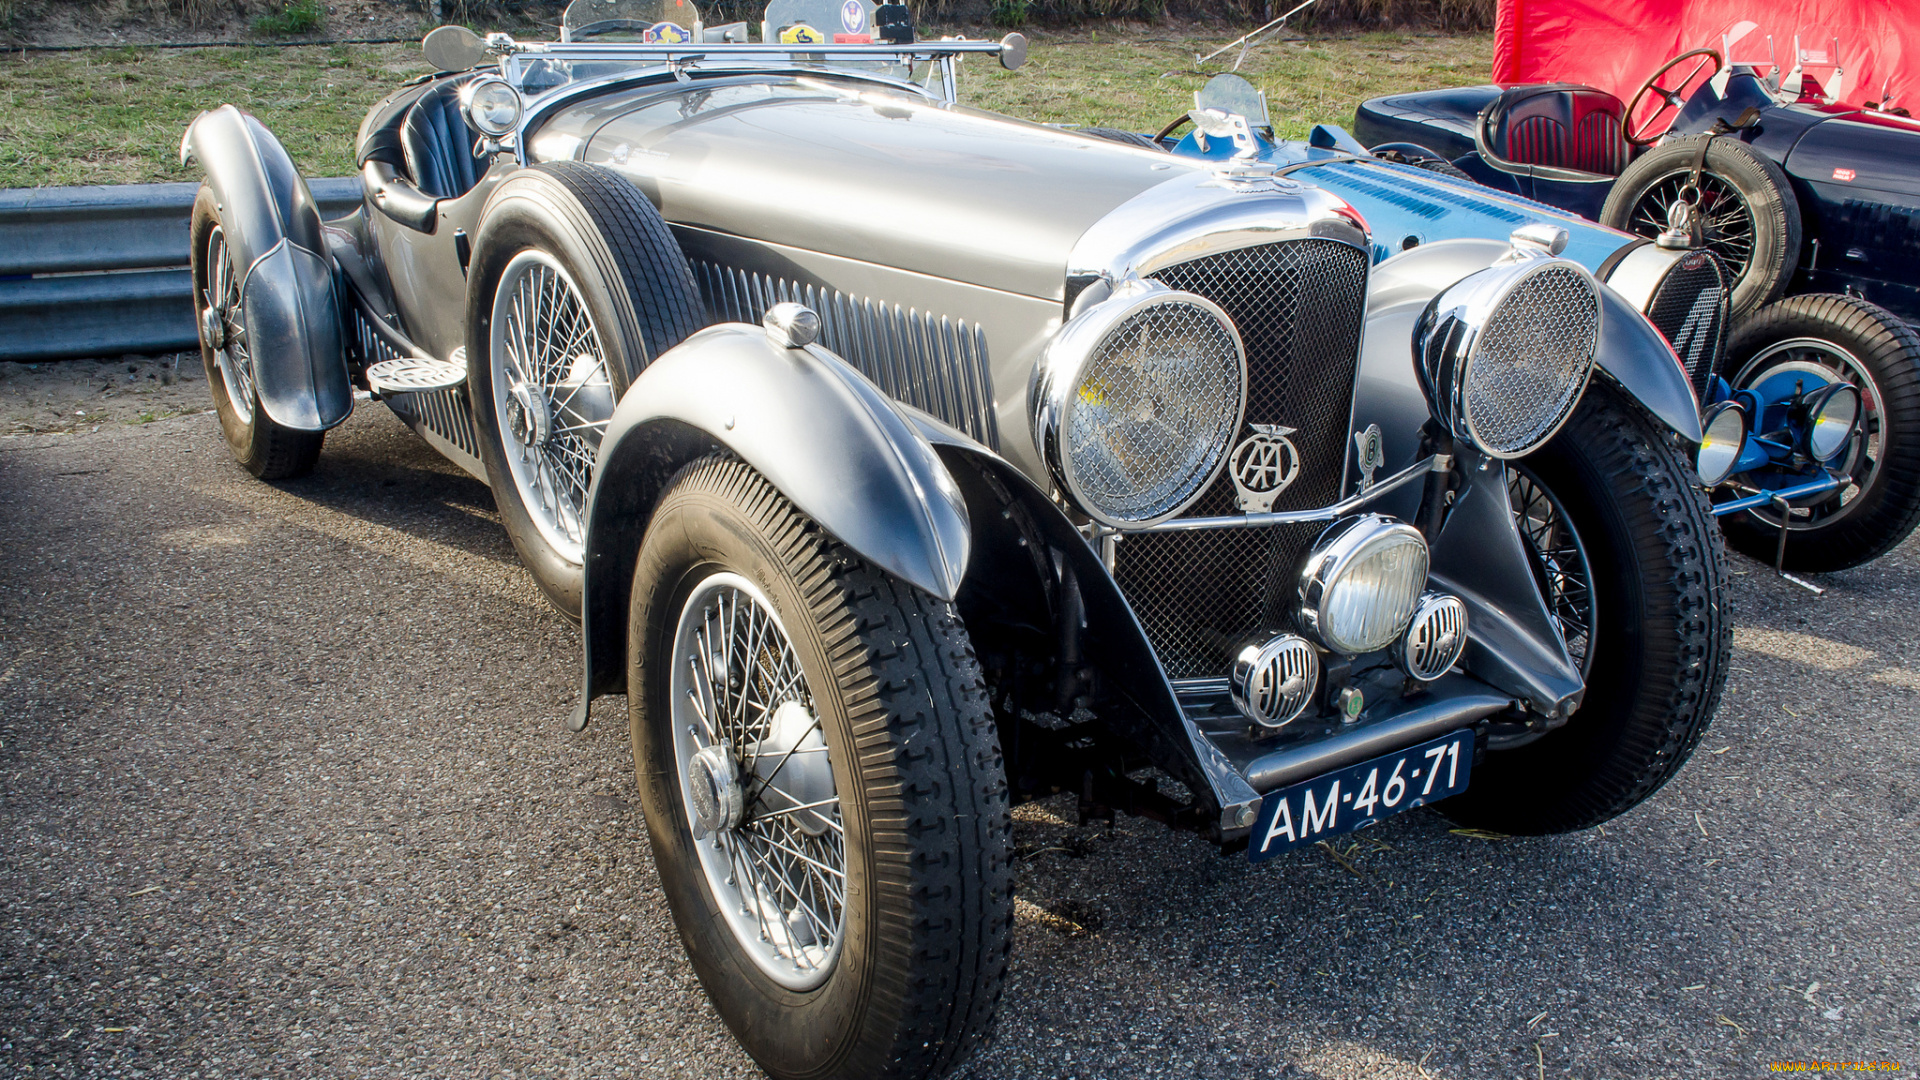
{"x": 1359, "y": 795}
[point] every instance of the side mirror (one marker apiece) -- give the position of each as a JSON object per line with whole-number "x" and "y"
{"x": 1013, "y": 51}
{"x": 454, "y": 48}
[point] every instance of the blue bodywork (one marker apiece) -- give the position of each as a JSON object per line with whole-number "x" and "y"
{"x": 1406, "y": 206}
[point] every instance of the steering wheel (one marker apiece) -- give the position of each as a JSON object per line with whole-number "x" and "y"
{"x": 1638, "y": 136}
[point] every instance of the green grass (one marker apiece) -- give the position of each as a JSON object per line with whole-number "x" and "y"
{"x": 1142, "y": 82}
{"x": 115, "y": 116}
{"x": 294, "y": 17}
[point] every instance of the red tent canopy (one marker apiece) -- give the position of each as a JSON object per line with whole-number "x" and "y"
{"x": 1615, "y": 44}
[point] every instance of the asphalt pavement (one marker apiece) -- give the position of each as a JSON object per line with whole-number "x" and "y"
{"x": 284, "y": 791}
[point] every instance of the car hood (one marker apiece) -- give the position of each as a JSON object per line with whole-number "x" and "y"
{"x": 863, "y": 172}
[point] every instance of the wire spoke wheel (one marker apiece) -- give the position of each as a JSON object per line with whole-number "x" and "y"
{"x": 1727, "y": 221}
{"x": 1560, "y": 565}
{"x": 220, "y": 312}
{"x": 757, "y": 782}
{"x": 552, "y": 394}
{"x": 1823, "y": 362}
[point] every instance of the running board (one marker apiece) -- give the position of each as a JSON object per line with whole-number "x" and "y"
{"x": 417, "y": 374}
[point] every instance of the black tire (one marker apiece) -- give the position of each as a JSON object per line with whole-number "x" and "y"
{"x": 1660, "y": 638}
{"x": 927, "y": 827}
{"x": 1131, "y": 138}
{"x": 1753, "y": 219}
{"x": 262, "y": 447}
{"x": 640, "y": 297}
{"x": 1861, "y": 523}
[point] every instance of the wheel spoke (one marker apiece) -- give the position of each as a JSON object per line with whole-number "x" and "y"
{"x": 778, "y": 868}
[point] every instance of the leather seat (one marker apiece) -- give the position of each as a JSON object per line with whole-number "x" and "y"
{"x": 438, "y": 144}
{"x": 1559, "y": 125}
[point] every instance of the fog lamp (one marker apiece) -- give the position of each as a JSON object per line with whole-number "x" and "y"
{"x": 1723, "y": 435}
{"x": 1361, "y": 583}
{"x": 1832, "y": 413}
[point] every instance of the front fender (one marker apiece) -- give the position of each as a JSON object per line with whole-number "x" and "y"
{"x": 287, "y": 293}
{"x": 1115, "y": 642}
{"x": 1632, "y": 354}
{"x": 820, "y": 433}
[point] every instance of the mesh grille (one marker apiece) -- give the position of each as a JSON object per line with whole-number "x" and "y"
{"x": 1298, "y": 306}
{"x": 1690, "y": 308}
{"x": 1530, "y": 363}
{"x": 1156, "y": 409}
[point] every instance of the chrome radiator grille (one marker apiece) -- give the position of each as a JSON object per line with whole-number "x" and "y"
{"x": 931, "y": 362}
{"x": 1299, "y": 306}
{"x": 1690, "y": 308}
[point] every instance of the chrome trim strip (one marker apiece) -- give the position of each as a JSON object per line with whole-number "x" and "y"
{"x": 1340, "y": 509}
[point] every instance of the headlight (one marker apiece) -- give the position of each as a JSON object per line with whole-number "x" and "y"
{"x": 1723, "y": 435}
{"x": 1832, "y": 412}
{"x": 1361, "y": 583}
{"x": 1139, "y": 400}
{"x": 492, "y": 105}
{"x": 1504, "y": 354}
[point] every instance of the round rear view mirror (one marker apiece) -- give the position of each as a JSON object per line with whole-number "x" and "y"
{"x": 1013, "y": 51}
{"x": 454, "y": 48}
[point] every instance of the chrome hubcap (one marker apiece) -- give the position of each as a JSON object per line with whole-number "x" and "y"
{"x": 552, "y": 394}
{"x": 527, "y": 418}
{"x": 714, "y": 794}
{"x": 757, "y": 782}
{"x": 213, "y": 328}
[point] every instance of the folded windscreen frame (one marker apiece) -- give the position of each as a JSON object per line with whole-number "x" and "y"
{"x": 1617, "y": 45}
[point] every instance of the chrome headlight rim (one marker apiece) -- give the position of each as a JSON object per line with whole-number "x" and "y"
{"x": 1063, "y": 370}
{"x": 1343, "y": 546}
{"x": 1450, "y": 336}
{"x": 469, "y": 105}
{"x": 1715, "y": 424}
{"x": 1821, "y": 406}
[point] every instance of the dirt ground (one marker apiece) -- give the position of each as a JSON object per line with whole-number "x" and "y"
{"x": 87, "y": 395}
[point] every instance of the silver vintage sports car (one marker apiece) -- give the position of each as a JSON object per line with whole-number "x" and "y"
{"x": 903, "y": 462}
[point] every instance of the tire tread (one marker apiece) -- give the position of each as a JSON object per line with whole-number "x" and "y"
{"x": 929, "y": 756}
{"x": 1673, "y": 686}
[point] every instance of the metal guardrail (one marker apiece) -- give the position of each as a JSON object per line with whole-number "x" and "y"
{"x": 102, "y": 271}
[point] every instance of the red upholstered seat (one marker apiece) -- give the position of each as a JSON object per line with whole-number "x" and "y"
{"x": 1559, "y": 125}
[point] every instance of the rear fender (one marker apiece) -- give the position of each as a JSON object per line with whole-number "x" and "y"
{"x": 291, "y": 309}
{"x": 819, "y": 432}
